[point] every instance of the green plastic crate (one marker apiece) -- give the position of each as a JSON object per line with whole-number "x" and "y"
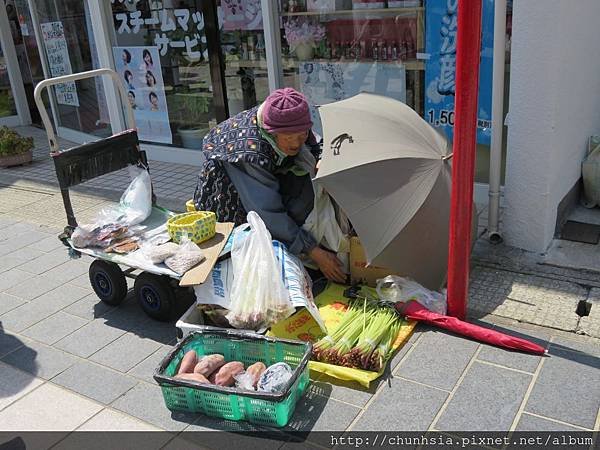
{"x": 272, "y": 409}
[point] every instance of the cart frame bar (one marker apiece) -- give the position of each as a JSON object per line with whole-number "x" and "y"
{"x": 37, "y": 95}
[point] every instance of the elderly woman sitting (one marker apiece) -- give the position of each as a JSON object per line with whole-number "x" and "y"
{"x": 260, "y": 160}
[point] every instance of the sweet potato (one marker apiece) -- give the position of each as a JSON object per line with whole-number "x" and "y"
{"x": 188, "y": 362}
{"x": 209, "y": 364}
{"x": 255, "y": 371}
{"x": 225, "y": 375}
{"x": 193, "y": 377}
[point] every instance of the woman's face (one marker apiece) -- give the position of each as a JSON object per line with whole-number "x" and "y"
{"x": 150, "y": 80}
{"x": 291, "y": 143}
{"x": 148, "y": 58}
{"x": 124, "y": 57}
{"x": 131, "y": 99}
{"x": 154, "y": 101}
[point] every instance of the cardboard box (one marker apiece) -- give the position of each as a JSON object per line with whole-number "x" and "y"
{"x": 211, "y": 249}
{"x": 359, "y": 272}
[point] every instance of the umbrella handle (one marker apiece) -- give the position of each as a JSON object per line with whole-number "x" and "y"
{"x": 447, "y": 157}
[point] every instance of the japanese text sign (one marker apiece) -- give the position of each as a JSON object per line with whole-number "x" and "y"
{"x": 440, "y": 73}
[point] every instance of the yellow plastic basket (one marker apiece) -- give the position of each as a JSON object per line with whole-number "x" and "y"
{"x": 198, "y": 226}
{"x": 189, "y": 206}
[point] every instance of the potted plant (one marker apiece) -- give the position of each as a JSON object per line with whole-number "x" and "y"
{"x": 14, "y": 149}
{"x": 193, "y": 111}
{"x": 302, "y": 37}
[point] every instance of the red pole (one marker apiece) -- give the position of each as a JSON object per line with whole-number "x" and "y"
{"x": 463, "y": 162}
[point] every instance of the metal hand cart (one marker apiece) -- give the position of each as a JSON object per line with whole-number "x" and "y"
{"x": 154, "y": 289}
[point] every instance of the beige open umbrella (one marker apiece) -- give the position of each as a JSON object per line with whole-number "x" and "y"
{"x": 389, "y": 171}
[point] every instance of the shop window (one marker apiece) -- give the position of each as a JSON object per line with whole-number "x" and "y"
{"x": 68, "y": 46}
{"x": 161, "y": 53}
{"x": 333, "y": 49}
{"x": 243, "y": 48}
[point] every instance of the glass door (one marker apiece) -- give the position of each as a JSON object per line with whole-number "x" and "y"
{"x": 64, "y": 32}
{"x": 242, "y": 40}
{"x": 28, "y": 56}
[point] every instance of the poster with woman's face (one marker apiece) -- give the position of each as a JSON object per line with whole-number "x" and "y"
{"x": 141, "y": 75}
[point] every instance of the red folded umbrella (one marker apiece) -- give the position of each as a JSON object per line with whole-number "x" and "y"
{"x": 415, "y": 311}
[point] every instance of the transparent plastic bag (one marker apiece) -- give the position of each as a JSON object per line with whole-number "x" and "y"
{"x": 397, "y": 289}
{"x": 116, "y": 222}
{"x": 244, "y": 381}
{"x": 135, "y": 204}
{"x": 187, "y": 256}
{"x": 157, "y": 254}
{"x": 258, "y": 295}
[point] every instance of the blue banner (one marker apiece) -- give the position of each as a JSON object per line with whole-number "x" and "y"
{"x": 440, "y": 70}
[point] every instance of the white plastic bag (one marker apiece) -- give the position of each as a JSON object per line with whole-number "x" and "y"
{"x": 187, "y": 256}
{"x": 323, "y": 225}
{"x": 217, "y": 288}
{"x": 397, "y": 289}
{"x": 258, "y": 295}
{"x": 135, "y": 205}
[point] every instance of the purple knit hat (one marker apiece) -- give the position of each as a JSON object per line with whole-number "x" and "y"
{"x": 286, "y": 111}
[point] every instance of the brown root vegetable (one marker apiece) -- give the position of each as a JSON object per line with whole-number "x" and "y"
{"x": 209, "y": 364}
{"x": 256, "y": 370}
{"x": 193, "y": 377}
{"x": 225, "y": 375}
{"x": 188, "y": 362}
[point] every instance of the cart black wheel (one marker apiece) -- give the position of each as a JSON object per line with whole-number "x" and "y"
{"x": 108, "y": 282}
{"x": 155, "y": 295}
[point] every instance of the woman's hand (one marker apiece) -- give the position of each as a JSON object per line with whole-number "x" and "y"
{"x": 328, "y": 264}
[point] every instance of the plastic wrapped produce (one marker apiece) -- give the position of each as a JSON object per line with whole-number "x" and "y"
{"x": 188, "y": 255}
{"x": 275, "y": 378}
{"x": 249, "y": 379}
{"x": 158, "y": 253}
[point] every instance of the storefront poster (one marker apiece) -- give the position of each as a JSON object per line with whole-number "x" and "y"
{"x": 327, "y": 82}
{"x": 188, "y": 25}
{"x": 440, "y": 70}
{"x": 241, "y": 15}
{"x": 141, "y": 75}
{"x": 59, "y": 62}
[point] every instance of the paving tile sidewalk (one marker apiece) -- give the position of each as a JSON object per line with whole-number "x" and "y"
{"x": 69, "y": 362}
{"x": 98, "y": 366}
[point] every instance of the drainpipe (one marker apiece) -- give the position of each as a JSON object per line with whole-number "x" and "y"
{"x": 497, "y": 120}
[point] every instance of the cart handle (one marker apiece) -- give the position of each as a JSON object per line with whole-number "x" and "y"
{"x": 73, "y": 77}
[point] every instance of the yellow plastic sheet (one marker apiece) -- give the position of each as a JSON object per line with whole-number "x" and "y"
{"x": 332, "y": 305}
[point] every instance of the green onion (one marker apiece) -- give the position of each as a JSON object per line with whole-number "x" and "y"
{"x": 364, "y": 337}
{"x": 321, "y": 348}
{"x": 360, "y": 355}
{"x": 384, "y": 350}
